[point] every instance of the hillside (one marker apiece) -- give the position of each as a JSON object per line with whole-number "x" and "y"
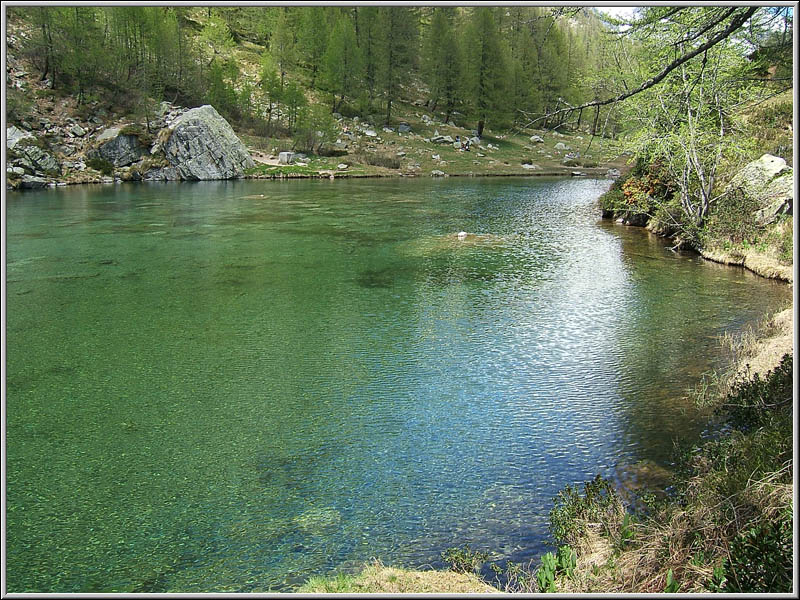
{"x": 419, "y": 141}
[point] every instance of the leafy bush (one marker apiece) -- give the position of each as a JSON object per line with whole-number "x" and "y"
{"x": 761, "y": 558}
{"x": 18, "y": 105}
{"x": 316, "y": 128}
{"x": 731, "y": 219}
{"x": 99, "y": 164}
{"x": 379, "y": 160}
{"x": 752, "y": 403}
{"x": 464, "y": 560}
{"x": 599, "y": 503}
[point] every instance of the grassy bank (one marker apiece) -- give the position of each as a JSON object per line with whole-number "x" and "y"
{"x": 723, "y": 522}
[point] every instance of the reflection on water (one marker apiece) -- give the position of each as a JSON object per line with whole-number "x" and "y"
{"x": 231, "y": 386}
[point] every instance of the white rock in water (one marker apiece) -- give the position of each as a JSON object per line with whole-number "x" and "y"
{"x": 462, "y": 235}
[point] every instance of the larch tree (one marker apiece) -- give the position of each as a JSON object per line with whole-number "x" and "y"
{"x": 442, "y": 62}
{"x": 485, "y": 68}
{"x": 397, "y": 51}
{"x": 342, "y": 63}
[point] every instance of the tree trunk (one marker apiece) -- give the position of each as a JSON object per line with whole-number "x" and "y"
{"x": 596, "y": 117}
{"x": 480, "y": 127}
{"x": 388, "y": 111}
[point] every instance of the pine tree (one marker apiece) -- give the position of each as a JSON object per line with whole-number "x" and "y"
{"x": 396, "y": 51}
{"x": 442, "y": 62}
{"x": 342, "y": 63}
{"x": 368, "y": 32}
{"x": 486, "y": 68}
{"x": 282, "y": 43}
{"x": 312, "y": 38}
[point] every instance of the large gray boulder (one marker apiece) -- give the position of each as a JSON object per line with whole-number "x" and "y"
{"x": 14, "y": 135}
{"x": 769, "y": 181}
{"x": 118, "y": 148}
{"x": 31, "y": 154}
{"x": 202, "y": 145}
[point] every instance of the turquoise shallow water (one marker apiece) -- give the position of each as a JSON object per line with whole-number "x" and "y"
{"x": 231, "y": 386}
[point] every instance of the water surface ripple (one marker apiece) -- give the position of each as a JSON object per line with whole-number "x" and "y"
{"x": 231, "y": 386}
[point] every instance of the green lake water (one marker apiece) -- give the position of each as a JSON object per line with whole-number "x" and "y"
{"x": 231, "y": 386}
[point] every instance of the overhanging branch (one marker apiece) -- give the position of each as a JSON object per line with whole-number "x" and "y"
{"x": 735, "y": 24}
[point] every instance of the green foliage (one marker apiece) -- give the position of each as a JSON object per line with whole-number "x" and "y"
{"x": 485, "y": 69}
{"x": 626, "y": 532}
{"x": 339, "y": 583}
{"x": 294, "y": 100}
{"x": 464, "y": 560}
{"x": 732, "y": 220}
{"x": 752, "y": 403}
{"x": 672, "y": 586}
{"x": 99, "y": 164}
{"x": 280, "y": 170}
{"x": 572, "y": 510}
{"x": 18, "y": 105}
{"x": 395, "y": 51}
{"x": 220, "y": 93}
{"x": 546, "y": 574}
{"x": 717, "y": 581}
{"x": 342, "y": 63}
{"x": 442, "y": 62}
{"x": 316, "y": 128}
{"x": 312, "y": 38}
{"x": 562, "y": 563}
{"x": 761, "y": 558}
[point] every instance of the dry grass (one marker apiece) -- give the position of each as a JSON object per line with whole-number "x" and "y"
{"x": 378, "y": 578}
{"x": 756, "y": 350}
{"x": 764, "y": 264}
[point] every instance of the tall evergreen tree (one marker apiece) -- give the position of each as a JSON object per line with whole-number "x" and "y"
{"x": 282, "y": 43}
{"x": 367, "y": 25}
{"x": 442, "y": 62}
{"x": 342, "y": 63}
{"x": 396, "y": 51}
{"x": 486, "y": 68}
{"x": 312, "y": 38}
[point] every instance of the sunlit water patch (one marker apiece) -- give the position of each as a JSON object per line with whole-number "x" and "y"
{"x": 232, "y": 386}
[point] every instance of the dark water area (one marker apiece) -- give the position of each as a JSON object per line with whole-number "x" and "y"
{"x": 231, "y": 386}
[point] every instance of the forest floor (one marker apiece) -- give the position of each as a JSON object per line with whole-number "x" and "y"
{"x": 412, "y": 154}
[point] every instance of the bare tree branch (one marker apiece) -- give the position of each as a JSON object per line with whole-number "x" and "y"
{"x": 735, "y": 24}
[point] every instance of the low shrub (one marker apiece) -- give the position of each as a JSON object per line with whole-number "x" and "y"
{"x": 464, "y": 560}
{"x": 378, "y": 160}
{"x": 102, "y": 165}
{"x": 599, "y": 503}
{"x": 761, "y": 558}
